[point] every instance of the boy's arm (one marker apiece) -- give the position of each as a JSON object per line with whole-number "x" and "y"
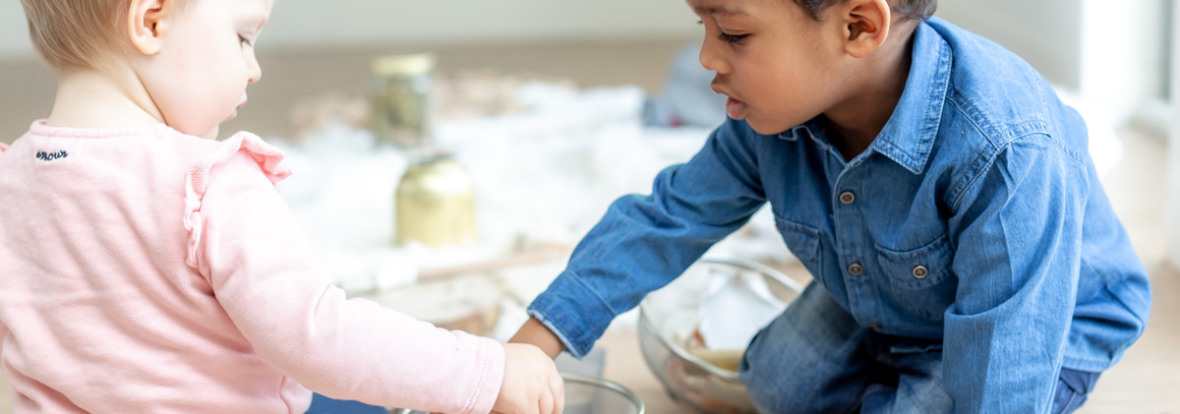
{"x": 534, "y": 332}
{"x": 1018, "y": 232}
{"x": 642, "y": 243}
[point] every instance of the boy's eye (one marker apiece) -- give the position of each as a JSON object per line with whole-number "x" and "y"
{"x": 728, "y": 38}
{"x": 244, "y": 41}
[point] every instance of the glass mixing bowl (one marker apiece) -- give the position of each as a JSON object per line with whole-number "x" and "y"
{"x": 589, "y": 395}
{"x": 696, "y": 377}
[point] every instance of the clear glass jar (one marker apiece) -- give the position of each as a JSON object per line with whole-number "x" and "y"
{"x": 401, "y": 114}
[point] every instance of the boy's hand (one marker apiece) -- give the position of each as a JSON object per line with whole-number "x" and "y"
{"x": 531, "y": 383}
{"x": 534, "y": 332}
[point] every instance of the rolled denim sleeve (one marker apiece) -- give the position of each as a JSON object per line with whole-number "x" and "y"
{"x": 1018, "y": 230}
{"x": 644, "y": 242}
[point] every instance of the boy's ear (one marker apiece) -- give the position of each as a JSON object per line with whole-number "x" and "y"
{"x": 866, "y": 25}
{"x": 146, "y": 21}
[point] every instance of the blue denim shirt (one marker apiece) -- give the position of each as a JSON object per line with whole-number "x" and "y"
{"x": 975, "y": 217}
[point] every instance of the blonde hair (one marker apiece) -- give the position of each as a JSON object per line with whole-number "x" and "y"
{"x": 75, "y": 33}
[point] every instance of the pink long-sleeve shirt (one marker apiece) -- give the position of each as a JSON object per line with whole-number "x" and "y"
{"x": 143, "y": 270}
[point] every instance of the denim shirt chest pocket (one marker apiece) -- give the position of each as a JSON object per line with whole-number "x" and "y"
{"x": 920, "y": 279}
{"x": 802, "y": 240}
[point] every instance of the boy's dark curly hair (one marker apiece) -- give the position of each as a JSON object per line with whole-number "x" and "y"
{"x": 909, "y": 9}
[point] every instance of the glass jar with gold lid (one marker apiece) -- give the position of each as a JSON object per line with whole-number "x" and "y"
{"x": 435, "y": 201}
{"x": 401, "y": 113}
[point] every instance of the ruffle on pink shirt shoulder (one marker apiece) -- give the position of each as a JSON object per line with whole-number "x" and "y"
{"x": 268, "y": 158}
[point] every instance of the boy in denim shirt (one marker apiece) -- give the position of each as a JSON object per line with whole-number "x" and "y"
{"x": 965, "y": 256}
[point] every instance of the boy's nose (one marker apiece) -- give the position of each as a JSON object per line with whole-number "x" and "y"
{"x": 710, "y": 60}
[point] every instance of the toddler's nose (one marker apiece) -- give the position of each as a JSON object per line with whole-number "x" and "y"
{"x": 255, "y": 71}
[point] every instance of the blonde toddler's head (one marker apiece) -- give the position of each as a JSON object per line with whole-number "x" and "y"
{"x": 76, "y": 34}
{"x": 184, "y": 63}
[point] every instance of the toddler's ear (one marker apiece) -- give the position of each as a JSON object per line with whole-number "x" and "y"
{"x": 146, "y": 21}
{"x": 866, "y": 25}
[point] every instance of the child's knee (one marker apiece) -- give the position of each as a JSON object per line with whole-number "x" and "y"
{"x": 780, "y": 380}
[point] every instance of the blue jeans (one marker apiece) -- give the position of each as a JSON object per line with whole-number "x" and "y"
{"x": 814, "y": 358}
{"x": 324, "y": 405}
{"x": 1073, "y": 387}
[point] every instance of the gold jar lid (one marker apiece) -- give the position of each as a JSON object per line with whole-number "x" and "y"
{"x": 403, "y": 65}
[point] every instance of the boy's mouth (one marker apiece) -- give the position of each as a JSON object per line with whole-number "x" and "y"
{"x": 735, "y": 109}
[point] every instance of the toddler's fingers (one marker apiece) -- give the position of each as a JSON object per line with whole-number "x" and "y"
{"x": 546, "y": 404}
{"x": 559, "y": 391}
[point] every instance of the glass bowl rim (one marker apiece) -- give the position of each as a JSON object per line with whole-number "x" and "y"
{"x": 745, "y": 264}
{"x": 631, "y": 396}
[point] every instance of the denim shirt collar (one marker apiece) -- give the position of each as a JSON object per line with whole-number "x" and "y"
{"x": 909, "y": 135}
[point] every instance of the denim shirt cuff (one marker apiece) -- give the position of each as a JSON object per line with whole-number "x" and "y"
{"x": 565, "y": 310}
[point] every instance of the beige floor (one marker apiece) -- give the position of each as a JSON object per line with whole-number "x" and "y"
{"x": 1147, "y": 380}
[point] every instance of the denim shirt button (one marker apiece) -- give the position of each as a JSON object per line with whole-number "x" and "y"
{"x": 920, "y": 272}
{"x": 856, "y": 269}
{"x": 847, "y": 197}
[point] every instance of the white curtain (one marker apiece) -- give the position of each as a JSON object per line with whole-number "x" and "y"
{"x": 1172, "y": 212}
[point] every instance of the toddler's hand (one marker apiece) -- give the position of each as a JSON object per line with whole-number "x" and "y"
{"x": 531, "y": 383}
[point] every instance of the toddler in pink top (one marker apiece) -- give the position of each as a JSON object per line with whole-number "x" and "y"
{"x": 145, "y": 267}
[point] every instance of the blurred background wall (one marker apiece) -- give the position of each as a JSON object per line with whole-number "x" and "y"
{"x": 318, "y": 24}
{"x": 1114, "y": 55}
